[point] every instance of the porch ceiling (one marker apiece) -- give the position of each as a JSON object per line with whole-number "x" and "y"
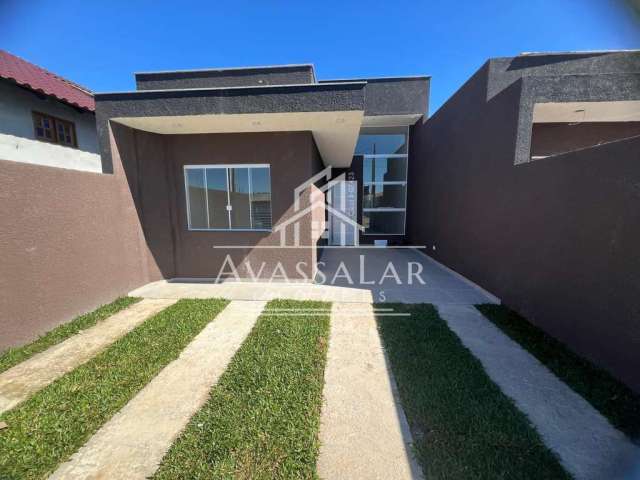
{"x": 335, "y": 132}
{"x": 563, "y": 112}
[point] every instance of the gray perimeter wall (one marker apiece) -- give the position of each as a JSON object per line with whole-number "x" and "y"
{"x": 556, "y": 239}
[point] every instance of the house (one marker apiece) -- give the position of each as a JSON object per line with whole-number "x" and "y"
{"x": 525, "y": 182}
{"x": 45, "y": 118}
{"x": 216, "y": 157}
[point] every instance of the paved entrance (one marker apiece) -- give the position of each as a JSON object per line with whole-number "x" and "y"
{"x": 360, "y": 275}
{"x": 397, "y": 275}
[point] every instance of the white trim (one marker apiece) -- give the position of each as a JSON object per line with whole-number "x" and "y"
{"x": 383, "y": 155}
{"x": 229, "y": 165}
{"x": 186, "y": 194}
{"x": 384, "y": 209}
{"x": 391, "y": 182}
{"x": 251, "y": 199}
{"x": 490, "y": 296}
{"x": 206, "y": 195}
{"x": 229, "y": 230}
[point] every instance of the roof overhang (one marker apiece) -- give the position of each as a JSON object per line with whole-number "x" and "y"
{"x": 332, "y": 112}
{"x": 391, "y": 120}
{"x": 576, "y": 112}
{"x": 335, "y": 132}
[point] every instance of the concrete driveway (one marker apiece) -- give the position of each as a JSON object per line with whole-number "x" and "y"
{"x": 397, "y": 275}
{"x": 353, "y": 275}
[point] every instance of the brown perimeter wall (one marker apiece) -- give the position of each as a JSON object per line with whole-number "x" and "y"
{"x": 70, "y": 241}
{"x": 557, "y": 239}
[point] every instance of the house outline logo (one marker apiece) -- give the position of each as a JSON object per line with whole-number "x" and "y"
{"x": 317, "y": 198}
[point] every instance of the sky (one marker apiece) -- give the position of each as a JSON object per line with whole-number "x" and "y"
{"x": 100, "y": 44}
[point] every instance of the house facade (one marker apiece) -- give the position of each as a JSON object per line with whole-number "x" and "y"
{"x": 45, "y": 118}
{"x": 525, "y": 181}
{"x": 215, "y": 159}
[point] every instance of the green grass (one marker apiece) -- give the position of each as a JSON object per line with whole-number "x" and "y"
{"x": 262, "y": 419}
{"x": 50, "y": 426}
{"x": 464, "y": 427}
{"x": 610, "y": 397}
{"x": 13, "y": 356}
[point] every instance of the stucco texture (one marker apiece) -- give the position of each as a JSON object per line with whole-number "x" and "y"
{"x": 154, "y": 166}
{"x": 556, "y": 239}
{"x": 70, "y": 241}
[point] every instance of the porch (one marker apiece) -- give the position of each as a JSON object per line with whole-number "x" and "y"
{"x": 353, "y": 275}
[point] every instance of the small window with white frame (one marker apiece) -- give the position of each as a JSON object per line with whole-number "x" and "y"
{"x": 228, "y": 197}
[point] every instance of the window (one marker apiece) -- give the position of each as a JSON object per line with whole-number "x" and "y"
{"x": 54, "y": 130}
{"x": 384, "y": 179}
{"x": 234, "y": 197}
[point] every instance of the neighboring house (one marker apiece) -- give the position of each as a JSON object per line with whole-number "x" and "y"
{"x": 45, "y": 119}
{"x": 216, "y": 157}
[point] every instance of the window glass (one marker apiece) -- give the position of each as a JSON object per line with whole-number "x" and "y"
{"x": 54, "y": 129}
{"x": 376, "y": 141}
{"x": 239, "y": 196}
{"x": 221, "y": 198}
{"x": 260, "y": 198}
{"x": 197, "y": 198}
{"x": 384, "y": 196}
{"x": 383, "y": 223}
{"x": 217, "y": 197}
{"x": 384, "y": 169}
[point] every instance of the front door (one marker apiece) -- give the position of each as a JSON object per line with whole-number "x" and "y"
{"x": 343, "y": 213}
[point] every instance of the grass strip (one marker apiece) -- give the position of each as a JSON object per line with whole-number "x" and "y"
{"x": 262, "y": 418}
{"x": 14, "y": 356}
{"x": 463, "y": 425}
{"x": 49, "y": 427}
{"x": 614, "y": 400}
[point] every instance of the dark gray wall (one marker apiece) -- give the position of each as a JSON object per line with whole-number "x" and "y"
{"x": 394, "y": 96}
{"x": 301, "y": 98}
{"x": 556, "y": 239}
{"x": 240, "y": 77}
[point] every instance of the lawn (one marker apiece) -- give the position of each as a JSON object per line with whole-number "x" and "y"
{"x": 262, "y": 418}
{"x": 463, "y": 425}
{"x": 13, "y": 356}
{"x": 610, "y": 397}
{"x": 49, "y": 427}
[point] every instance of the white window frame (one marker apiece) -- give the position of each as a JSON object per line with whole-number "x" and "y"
{"x": 226, "y": 167}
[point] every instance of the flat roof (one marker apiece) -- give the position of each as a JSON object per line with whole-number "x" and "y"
{"x": 377, "y": 79}
{"x": 575, "y": 52}
{"x": 169, "y": 91}
{"x": 231, "y": 70}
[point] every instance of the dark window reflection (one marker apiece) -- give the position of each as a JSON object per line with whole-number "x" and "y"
{"x": 380, "y": 140}
{"x": 383, "y": 169}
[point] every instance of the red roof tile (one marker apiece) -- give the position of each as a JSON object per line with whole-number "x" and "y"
{"x": 40, "y": 80}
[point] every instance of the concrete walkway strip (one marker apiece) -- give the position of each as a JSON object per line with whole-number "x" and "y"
{"x": 20, "y": 382}
{"x": 586, "y": 443}
{"x": 363, "y": 430}
{"x": 131, "y": 445}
